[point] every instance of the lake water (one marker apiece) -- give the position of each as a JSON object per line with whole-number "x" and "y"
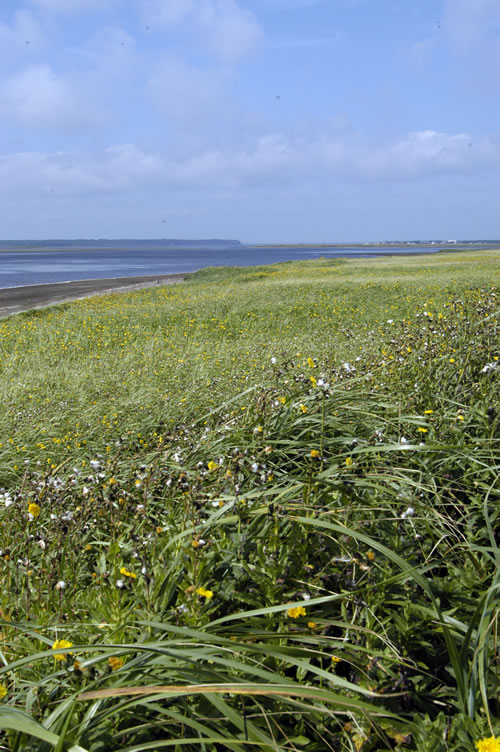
{"x": 44, "y": 266}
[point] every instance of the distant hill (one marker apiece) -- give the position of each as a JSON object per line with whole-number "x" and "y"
{"x": 120, "y": 243}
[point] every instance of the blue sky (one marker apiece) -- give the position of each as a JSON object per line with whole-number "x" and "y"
{"x": 264, "y": 120}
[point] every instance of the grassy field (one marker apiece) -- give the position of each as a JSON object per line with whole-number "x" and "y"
{"x": 257, "y": 510}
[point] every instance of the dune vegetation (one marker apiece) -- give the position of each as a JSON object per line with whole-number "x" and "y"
{"x": 255, "y": 510}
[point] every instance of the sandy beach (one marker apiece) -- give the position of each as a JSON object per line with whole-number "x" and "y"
{"x": 19, "y": 299}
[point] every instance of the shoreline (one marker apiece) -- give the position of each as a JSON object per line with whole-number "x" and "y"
{"x": 29, "y": 297}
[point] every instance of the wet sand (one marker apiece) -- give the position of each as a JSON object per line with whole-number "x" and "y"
{"x": 19, "y": 299}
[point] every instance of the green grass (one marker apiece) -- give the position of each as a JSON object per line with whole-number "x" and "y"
{"x": 271, "y": 493}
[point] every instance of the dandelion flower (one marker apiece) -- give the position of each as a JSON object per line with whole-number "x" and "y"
{"x": 294, "y": 613}
{"x": 115, "y": 663}
{"x": 124, "y": 571}
{"x": 34, "y": 510}
{"x": 492, "y": 744}
{"x": 207, "y": 594}
{"x": 61, "y": 645}
{"x": 315, "y": 453}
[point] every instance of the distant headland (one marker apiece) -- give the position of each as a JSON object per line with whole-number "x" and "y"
{"x": 119, "y": 243}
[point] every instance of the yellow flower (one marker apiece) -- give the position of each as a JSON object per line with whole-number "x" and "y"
{"x": 3, "y": 691}
{"x": 348, "y": 461}
{"x": 34, "y": 509}
{"x": 61, "y": 645}
{"x": 312, "y": 624}
{"x": 294, "y": 613}
{"x": 282, "y": 400}
{"x": 313, "y": 380}
{"x": 126, "y": 573}
{"x": 207, "y": 594}
{"x": 310, "y": 362}
{"x": 212, "y": 466}
{"x": 452, "y": 360}
{"x": 492, "y": 744}
{"x": 115, "y": 663}
{"x": 370, "y": 555}
{"x": 315, "y": 453}
{"x": 335, "y": 659}
{"x": 428, "y": 412}
{"x": 423, "y": 430}
{"x": 303, "y": 409}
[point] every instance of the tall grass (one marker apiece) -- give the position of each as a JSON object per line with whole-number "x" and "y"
{"x": 300, "y": 552}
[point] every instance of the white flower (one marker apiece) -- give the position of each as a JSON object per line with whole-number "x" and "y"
{"x": 273, "y": 360}
{"x": 490, "y": 366}
{"x": 7, "y": 499}
{"x": 60, "y": 585}
{"x": 95, "y": 464}
{"x": 42, "y": 544}
{"x": 67, "y": 516}
{"x": 403, "y": 440}
{"x": 347, "y": 367}
{"x": 408, "y": 513}
{"x": 85, "y": 491}
{"x": 120, "y": 584}
{"x": 390, "y": 321}
{"x": 254, "y": 467}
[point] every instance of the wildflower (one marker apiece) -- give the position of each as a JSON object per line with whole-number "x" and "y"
{"x": 282, "y": 400}
{"x": 428, "y": 412}
{"x": 349, "y": 461}
{"x": 313, "y": 380}
{"x": 115, "y": 663}
{"x": 254, "y": 467}
{"x": 95, "y": 464}
{"x": 423, "y": 430}
{"x": 490, "y": 367}
{"x": 212, "y": 466}
{"x": 315, "y": 453}
{"x": 492, "y": 744}
{"x": 60, "y": 585}
{"x": 33, "y": 510}
{"x": 120, "y": 584}
{"x": 347, "y": 367}
{"x": 273, "y": 360}
{"x": 370, "y": 555}
{"x": 294, "y": 613}
{"x": 312, "y": 624}
{"x": 303, "y": 409}
{"x": 126, "y": 573}
{"x": 207, "y": 594}
{"x": 310, "y": 363}
{"x": 61, "y": 645}
{"x": 408, "y": 513}
{"x": 335, "y": 659}
{"x": 452, "y": 360}
{"x": 3, "y": 691}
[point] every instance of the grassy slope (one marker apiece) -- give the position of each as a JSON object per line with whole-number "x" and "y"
{"x": 297, "y": 489}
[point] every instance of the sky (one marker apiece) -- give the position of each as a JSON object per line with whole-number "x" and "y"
{"x": 261, "y": 120}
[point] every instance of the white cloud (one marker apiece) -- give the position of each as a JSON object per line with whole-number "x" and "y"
{"x": 188, "y": 95}
{"x": 24, "y": 35}
{"x": 225, "y": 28}
{"x": 39, "y": 98}
{"x": 272, "y": 159}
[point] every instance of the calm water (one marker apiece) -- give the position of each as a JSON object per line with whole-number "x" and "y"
{"x": 43, "y": 266}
